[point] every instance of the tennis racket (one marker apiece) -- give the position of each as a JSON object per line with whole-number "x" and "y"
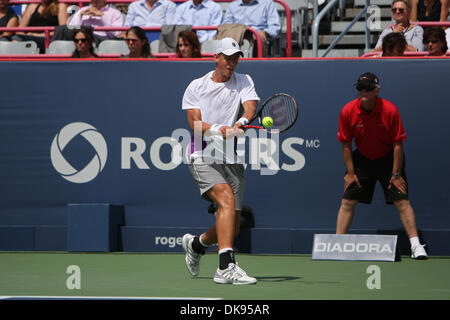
{"x": 282, "y": 108}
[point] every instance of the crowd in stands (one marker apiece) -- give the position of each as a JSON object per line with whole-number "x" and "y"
{"x": 258, "y": 14}
{"x": 406, "y": 36}
{"x": 261, "y": 15}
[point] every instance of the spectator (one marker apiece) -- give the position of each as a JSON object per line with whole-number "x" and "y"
{"x": 150, "y": 13}
{"x": 188, "y": 45}
{"x": 429, "y": 10}
{"x": 84, "y": 43}
{"x": 435, "y": 42}
{"x": 412, "y": 33}
{"x": 394, "y": 44}
{"x": 99, "y": 14}
{"x": 199, "y": 13}
{"x": 137, "y": 43}
{"x": 260, "y": 15}
{"x": 7, "y": 19}
{"x": 44, "y": 14}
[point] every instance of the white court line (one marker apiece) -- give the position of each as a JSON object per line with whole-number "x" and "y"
{"x": 100, "y": 298}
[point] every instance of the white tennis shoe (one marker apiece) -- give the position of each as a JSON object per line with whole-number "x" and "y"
{"x": 192, "y": 257}
{"x": 418, "y": 252}
{"x": 233, "y": 275}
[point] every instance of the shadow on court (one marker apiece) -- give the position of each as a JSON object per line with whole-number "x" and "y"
{"x": 277, "y": 278}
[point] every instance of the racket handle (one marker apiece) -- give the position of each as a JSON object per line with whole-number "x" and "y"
{"x": 255, "y": 127}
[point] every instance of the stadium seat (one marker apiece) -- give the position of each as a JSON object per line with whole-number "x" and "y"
{"x": 247, "y": 49}
{"x": 113, "y": 47}
{"x": 154, "y": 46}
{"x": 23, "y": 47}
{"x": 61, "y": 47}
{"x": 209, "y": 46}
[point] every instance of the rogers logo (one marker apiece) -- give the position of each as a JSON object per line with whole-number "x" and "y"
{"x": 169, "y": 241}
{"x": 63, "y": 138}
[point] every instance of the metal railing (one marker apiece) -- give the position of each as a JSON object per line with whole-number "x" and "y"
{"x": 376, "y": 54}
{"x": 319, "y": 16}
{"x": 80, "y": 3}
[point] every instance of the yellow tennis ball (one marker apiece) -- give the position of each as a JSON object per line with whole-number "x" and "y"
{"x": 267, "y": 122}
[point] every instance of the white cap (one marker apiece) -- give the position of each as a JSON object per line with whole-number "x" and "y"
{"x": 228, "y": 46}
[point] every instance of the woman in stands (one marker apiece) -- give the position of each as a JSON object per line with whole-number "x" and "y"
{"x": 435, "y": 42}
{"x": 413, "y": 33}
{"x": 188, "y": 45}
{"x": 7, "y": 19}
{"x": 429, "y": 10}
{"x": 137, "y": 43}
{"x": 84, "y": 43}
{"x": 47, "y": 13}
{"x": 394, "y": 44}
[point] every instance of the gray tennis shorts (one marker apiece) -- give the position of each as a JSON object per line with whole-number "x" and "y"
{"x": 208, "y": 175}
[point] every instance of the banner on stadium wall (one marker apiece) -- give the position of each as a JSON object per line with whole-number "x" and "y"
{"x": 114, "y": 132}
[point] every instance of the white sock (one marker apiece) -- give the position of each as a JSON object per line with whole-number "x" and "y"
{"x": 414, "y": 241}
{"x": 225, "y": 250}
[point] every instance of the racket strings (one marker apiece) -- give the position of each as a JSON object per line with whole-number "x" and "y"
{"x": 283, "y": 110}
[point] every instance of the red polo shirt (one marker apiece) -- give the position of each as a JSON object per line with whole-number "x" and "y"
{"x": 374, "y": 132}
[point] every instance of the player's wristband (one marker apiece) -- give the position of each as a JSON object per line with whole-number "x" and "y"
{"x": 215, "y": 129}
{"x": 243, "y": 120}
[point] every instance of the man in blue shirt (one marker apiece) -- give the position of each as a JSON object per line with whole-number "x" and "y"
{"x": 260, "y": 15}
{"x": 150, "y": 13}
{"x": 199, "y": 13}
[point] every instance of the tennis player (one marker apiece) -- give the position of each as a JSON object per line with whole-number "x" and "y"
{"x": 375, "y": 125}
{"x": 212, "y": 103}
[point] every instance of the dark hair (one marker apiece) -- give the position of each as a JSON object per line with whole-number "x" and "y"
{"x": 406, "y": 2}
{"x": 438, "y": 33}
{"x": 192, "y": 39}
{"x": 392, "y": 40}
{"x": 140, "y": 33}
{"x": 88, "y": 33}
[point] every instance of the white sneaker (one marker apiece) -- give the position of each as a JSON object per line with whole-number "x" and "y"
{"x": 234, "y": 275}
{"x": 418, "y": 252}
{"x": 192, "y": 257}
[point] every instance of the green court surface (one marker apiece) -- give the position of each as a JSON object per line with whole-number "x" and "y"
{"x": 280, "y": 277}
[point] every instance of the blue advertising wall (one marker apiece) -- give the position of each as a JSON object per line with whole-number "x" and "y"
{"x": 140, "y": 102}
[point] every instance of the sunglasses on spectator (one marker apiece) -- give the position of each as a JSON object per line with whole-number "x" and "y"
{"x": 361, "y": 87}
{"x": 432, "y": 41}
{"x": 131, "y": 40}
{"x": 400, "y": 10}
{"x": 83, "y": 40}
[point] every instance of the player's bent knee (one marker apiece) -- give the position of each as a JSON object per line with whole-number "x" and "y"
{"x": 223, "y": 195}
{"x": 347, "y": 203}
{"x": 402, "y": 204}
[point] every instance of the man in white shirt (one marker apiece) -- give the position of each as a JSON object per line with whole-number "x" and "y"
{"x": 199, "y": 13}
{"x": 212, "y": 104}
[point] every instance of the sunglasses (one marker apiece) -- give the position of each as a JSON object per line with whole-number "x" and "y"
{"x": 83, "y": 40}
{"x": 366, "y": 87}
{"x": 131, "y": 40}
{"x": 432, "y": 41}
{"x": 400, "y": 10}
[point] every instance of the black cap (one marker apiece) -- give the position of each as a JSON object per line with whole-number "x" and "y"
{"x": 368, "y": 79}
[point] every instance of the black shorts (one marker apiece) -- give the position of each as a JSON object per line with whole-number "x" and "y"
{"x": 368, "y": 173}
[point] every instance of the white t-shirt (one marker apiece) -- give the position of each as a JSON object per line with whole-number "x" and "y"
{"x": 219, "y": 103}
{"x": 447, "y": 32}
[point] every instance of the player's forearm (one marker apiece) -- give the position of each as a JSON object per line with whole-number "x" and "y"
{"x": 249, "y": 109}
{"x": 398, "y": 158}
{"x": 347, "y": 155}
